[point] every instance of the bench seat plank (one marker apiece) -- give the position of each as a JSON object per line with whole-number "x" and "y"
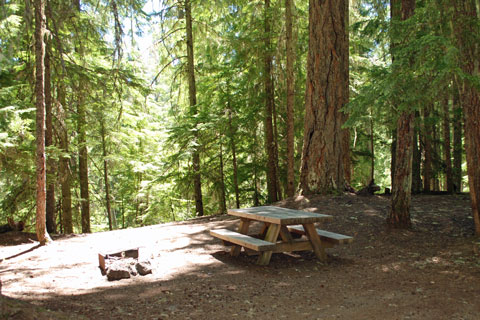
{"x": 243, "y": 240}
{"x": 332, "y": 237}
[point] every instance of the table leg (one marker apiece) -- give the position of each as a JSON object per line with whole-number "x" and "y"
{"x": 317, "y": 246}
{"x": 285, "y": 234}
{"x": 243, "y": 229}
{"x": 272, "y": 236}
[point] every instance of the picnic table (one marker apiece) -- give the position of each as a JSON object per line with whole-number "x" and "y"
{"x": 277, "y": 233}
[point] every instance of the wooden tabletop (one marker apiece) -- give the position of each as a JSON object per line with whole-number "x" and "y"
{"x": 277, "y": 215}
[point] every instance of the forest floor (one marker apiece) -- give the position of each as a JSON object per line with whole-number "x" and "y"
{"x": 429, "y": 272}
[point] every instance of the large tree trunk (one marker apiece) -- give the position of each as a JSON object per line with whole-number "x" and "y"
{"x": 347, "y": 160}
{"x": 395, "y": 15}
{"x": 399, "y": 216}
{"x": 270, "y": 146}
{"x": 192, "y": 94}
{"x": 446, "y": 147}
{"x": 290, "y": 45}
{"x": 322, "y": 168}
{"x": 51, "y": 163}
{"x": 40, "y": 226}
{"x": 465, "y": 23}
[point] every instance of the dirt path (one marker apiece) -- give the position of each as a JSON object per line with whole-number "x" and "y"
{"x": 429, "y": 272}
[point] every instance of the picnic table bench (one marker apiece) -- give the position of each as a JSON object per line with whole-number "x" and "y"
{"x": 277, "y": 234}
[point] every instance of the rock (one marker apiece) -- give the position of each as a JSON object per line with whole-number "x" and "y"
{"x": 114, "y": 273}
{"x": 121, "y": 269}
{"x": 143, "y": 268}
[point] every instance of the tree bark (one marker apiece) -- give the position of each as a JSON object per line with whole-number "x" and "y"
{"x": 447, "y": 147}
{"x": 40, "y": 225}
{"x": 192, "y": 94}
{"x": 290, "y": 45}
{"x": 322, "y": 169}
{"x": 270, "y": 146}
{"x": 465, "y": 23}
{"x": 51, "y": 163}
{"x": 347, "y": 161}
{"x": 399, "y": 216}
{"x": 395, "y": 15}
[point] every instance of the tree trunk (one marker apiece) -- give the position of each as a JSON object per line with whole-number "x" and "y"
{"x": 446, "y": 147}
{"x": 83, "y": 164}
{"x": 51, "y": 163}
{"x": 427, "y": 142}
{"x": 290, "y": 45}
{"x": 256, "y": 200}
{"x": 457, "y": 142}
{"x": 82, "y": 146}
{"x": 395, "y": 15}
{"x": 40, "y": 225}
{"x": 465, "y": 23}
{"x": 223, "y": 200}
{"x": 437, "y": 155}
{"x": 234, "y": 154}
{"x": 271, "y": 166}
{"x": 393, "y": 151}
{"x": 399, "y": 216}
{"x": 322, "y": 168}
{"x": 64, "y": 168}
{"x": 347, "y": 161}
{"x": 371, "y": 148}
{"x": 416, "y": 164}
{"x": 105, "y": 174}
{"x": 192, "y": 94}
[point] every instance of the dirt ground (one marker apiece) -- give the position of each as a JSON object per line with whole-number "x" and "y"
{"x": 429, "y": 272}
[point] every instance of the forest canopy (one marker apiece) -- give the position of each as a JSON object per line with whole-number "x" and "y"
{"x": 161, "y": 110}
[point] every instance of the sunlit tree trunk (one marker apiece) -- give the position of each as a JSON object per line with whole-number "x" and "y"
{"x": 465, "y": 21}
{"x": 192, "y": 94}
{"x": 290, "y": 45}
{"x": 399, "y": 216}
{"x": 322, "y": 168}
{"x": 40, "y": 225}
{"x": 270, "y": 146}
{"x": 51, "y": 163}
